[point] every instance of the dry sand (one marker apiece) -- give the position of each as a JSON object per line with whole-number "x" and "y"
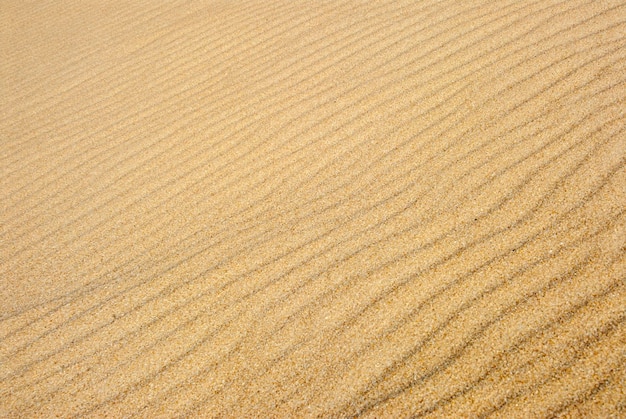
{"x": 313, "y": 208}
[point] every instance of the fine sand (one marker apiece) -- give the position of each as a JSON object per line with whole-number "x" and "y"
{"x": 313, "y": 208}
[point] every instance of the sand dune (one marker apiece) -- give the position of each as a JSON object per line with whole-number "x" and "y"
{"x": 313, "y": 209}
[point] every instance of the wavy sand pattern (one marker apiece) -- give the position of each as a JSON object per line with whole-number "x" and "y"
{"x": 313, "y": 209}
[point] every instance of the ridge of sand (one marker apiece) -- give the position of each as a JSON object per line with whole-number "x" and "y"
{"x": 298, "y": 209}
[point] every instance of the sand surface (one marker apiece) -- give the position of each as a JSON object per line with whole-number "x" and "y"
{"x": 312, "y": 208}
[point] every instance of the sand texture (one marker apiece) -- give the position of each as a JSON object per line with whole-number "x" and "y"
{"x": 282, "y": 208}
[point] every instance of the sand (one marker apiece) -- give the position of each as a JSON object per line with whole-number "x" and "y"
{"x": 312, "y": 208}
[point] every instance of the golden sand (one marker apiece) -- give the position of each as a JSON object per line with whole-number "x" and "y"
{"x": 313, "y": 208}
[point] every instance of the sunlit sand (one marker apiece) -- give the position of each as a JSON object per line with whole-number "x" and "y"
{"x": 312, "y": 208}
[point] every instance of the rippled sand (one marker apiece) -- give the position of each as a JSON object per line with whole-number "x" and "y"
{"x": 312, "y": 208}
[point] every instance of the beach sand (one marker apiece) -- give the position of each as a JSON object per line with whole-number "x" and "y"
{"x": 312, "y": 208}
